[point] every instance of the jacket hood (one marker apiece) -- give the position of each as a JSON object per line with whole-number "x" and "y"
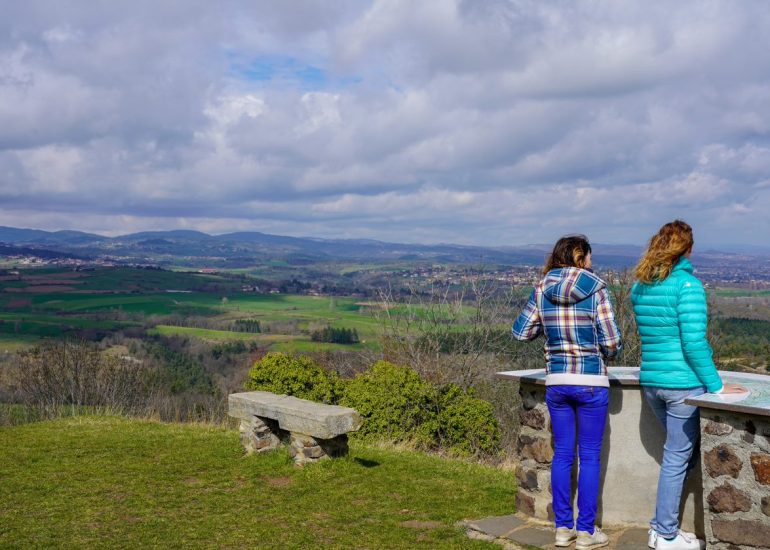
{"x": 569, "y": 285}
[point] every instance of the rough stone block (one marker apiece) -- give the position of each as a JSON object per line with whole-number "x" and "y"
{"x": 742, "y": 532}
{"x": 544, "y": 481}
{"x": 727, "y": 498}
{"x": 722, "y": 460}
{"x": 256, "y": 436}
{"x": 715, "y": 427}
{"x": 760, "y": 462}
{"x": 525, "y": 503}
{"x": 536, "y": 448}
{"x": 295, "y": 415}
{"x": 301, "y": 440}
{"x": 527, "y": 478}
{"x": 533, "y": 418}
{"x": 305, "y": 449}
{"x": 313, "y": 452}
{"x": 531, "y": 397}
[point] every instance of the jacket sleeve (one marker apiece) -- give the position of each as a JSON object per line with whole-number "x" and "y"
{"x": 528, "y": 324}
{"x": 692, "y": 312}
{"x": 606, "y": 328}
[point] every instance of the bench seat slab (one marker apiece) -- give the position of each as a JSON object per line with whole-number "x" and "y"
{"x": 295, "y": 415}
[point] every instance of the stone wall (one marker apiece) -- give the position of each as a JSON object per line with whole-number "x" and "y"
{"x": 535, "y": 452}
{"x": 736, "y": 476}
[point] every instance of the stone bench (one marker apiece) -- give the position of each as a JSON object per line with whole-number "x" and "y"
{"x": 313, "y": 431}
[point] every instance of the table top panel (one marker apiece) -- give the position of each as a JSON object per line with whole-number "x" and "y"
{"x": 756, "y": 401}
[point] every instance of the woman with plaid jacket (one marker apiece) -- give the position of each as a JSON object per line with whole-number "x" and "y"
{"x": 571, "y": 308}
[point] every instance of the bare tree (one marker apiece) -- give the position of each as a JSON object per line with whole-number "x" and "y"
{"x": 449, "y": 333}
{"x": 620, "y": 284}
{"x": 76, "y": 374}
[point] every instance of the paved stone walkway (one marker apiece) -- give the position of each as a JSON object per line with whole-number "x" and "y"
{"x": 517, "y": 532}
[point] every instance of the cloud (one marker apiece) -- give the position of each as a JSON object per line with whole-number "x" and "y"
{"x": 499, "y": 122}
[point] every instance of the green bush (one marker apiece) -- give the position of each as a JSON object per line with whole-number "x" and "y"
{"x": 395, "y": 403}
{"x": 299, "y": 376}
{"x": 466, "y": 424}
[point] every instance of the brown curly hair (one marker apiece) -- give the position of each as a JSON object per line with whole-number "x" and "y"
{"x": 667, "y": 246}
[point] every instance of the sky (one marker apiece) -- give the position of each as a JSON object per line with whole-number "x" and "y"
{"x": 495, "y": 122}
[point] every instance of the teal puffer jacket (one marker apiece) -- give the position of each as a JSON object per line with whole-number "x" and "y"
{"x": 672, "y": 319}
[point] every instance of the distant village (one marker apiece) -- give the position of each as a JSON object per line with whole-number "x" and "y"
{"x": 746, "y": 273}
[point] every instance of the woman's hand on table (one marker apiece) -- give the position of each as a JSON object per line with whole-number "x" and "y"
{"x": 733, "y": 388}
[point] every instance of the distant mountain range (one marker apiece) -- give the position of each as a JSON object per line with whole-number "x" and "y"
{"x": 248, "y": 248}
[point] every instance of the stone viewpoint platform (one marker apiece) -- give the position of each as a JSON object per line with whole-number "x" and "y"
{"x": 726, "y": 498}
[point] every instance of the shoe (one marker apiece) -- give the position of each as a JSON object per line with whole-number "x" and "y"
{"x": 587, "y": 541}
{"x": 565, "y": 536}
{"x": 682, "y": 541}
{"x": 653, "y": 536}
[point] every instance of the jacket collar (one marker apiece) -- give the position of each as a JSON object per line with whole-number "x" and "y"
{"x": 683, "y": 265}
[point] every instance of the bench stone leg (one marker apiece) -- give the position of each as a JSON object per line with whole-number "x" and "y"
{"x": 305, "y": 449}
{"x": 258, "y": 436}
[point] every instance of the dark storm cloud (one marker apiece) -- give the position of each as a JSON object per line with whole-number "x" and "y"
{"x": 479, "y": 122}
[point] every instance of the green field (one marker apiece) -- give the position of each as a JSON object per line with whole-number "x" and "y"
{"x": 48, "y": 303}
{"x": 96, "y": 482}
{"x": 55, "y": 303}
{"x": 17, "y": 342}
{"x": 740, "y": 293}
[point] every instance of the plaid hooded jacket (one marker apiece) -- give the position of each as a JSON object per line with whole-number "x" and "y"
{"x": 571, "y": 307}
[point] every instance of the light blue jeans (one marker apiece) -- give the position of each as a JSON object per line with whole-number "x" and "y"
{"x": 578, "y": 414}
{"x": 682, "y": 425}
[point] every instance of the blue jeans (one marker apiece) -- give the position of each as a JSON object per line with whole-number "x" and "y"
{"x": 587, "y": 405}
{"x": 682, "y": 425}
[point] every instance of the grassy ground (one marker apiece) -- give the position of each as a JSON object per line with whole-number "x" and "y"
{"x": 100, "y": 482}
{"x": 17, "y": 342}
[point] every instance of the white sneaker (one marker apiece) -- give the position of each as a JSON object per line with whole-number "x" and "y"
{"x": 682, "y": 541}
{"x": 653, "y": 536}
{"x": 587, "y": 541}
{"x": 565, "y": 536}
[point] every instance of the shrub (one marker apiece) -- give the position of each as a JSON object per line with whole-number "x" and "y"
{"x": 395, "y": 404}
{"x": 466, "y": 424}
{"x": 299, "y": 376}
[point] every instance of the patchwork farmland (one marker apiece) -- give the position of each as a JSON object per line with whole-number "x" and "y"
{"x": 53, "y": 303}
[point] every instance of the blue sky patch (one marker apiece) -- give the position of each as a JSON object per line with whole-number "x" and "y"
{"x": 285, "y": 71}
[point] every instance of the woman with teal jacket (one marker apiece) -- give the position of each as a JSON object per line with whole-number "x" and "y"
{"x": 671, "y": 314}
